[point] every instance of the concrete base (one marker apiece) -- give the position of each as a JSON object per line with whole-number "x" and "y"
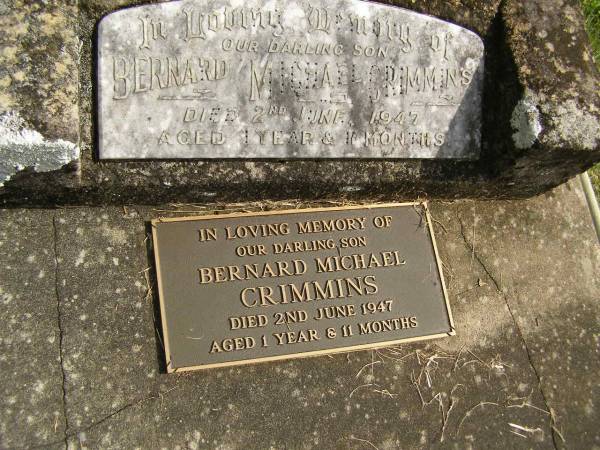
{"x": 540, "y": 118}
{"x": 82, "y": 363}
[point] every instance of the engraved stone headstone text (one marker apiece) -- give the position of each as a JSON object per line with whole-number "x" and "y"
{"x": 256, "y": 287}
{"x": 286, "y": 79}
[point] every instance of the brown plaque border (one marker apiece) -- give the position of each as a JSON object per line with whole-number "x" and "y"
{"x": 165, "y": 330}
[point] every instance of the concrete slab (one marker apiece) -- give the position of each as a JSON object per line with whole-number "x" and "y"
{"x": 109, "y": 336}
{"x": 519, "y": 373}
{"x": 540, "y": 124}
{"x": 31, "y": 386}
{"x": 543, "y": 257}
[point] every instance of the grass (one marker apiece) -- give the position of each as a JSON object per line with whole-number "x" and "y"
{"x": 591, "y": 8}
{"x": 594, "y": 174}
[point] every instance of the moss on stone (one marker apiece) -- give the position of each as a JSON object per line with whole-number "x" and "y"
{"x": 591, "y": 9}
{"x": 39, "y": 72}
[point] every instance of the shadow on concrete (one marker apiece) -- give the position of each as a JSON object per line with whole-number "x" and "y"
{"x": 153, "y": 287}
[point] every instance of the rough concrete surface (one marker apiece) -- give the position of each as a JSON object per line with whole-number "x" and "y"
{"x": 521, "y": 372}
{"x": 31, "y": 394}
{"x": 539, "y": 119}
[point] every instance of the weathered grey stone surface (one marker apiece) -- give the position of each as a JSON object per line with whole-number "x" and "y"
{"x": 522, "y": 285}
{"x": 39, "y": 65}
{"x": 22, "y": 148}
{"x": 527, "y": 251}
{"x": 539, "y": 124}
{"x": 31, "y": 390}
{"x": 101, "y": 283}
{"x": 39, "y": 86}
{"x": 286, "y": 79}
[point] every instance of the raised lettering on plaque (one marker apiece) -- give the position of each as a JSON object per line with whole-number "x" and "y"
{"x": 245, "y": 288}
{"x": 286, "y": 79}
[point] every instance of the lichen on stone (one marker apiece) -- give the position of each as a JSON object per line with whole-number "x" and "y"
{"x": 573, "y": 124}
{"x": 526, "y": 122}
{"x": 39, "y": 72}
{"x": 21, "y": 147}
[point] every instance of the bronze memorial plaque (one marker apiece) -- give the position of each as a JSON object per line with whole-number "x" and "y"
{"x": 244, "y": 288}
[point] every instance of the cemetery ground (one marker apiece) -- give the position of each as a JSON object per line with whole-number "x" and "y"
{"x": 83, "y": 365}
{"x": 81, "y": 350}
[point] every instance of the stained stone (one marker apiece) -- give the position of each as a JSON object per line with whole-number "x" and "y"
{"x": 39, "y": 87}
{"x": 31, "y": 387}
{"x": 39, "y": 67}
{"x": 524, "y": 345}
{"x": 540, "y": 93}
{"x": 299, "y": 79}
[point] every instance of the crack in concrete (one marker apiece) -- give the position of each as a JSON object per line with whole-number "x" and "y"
{"x": 554, "y": 433}
{"x": 60, "y": 332}
{"x": 99, "y": 422}
{"x": 111, "y": 415}
{"x": 156, "y": 396}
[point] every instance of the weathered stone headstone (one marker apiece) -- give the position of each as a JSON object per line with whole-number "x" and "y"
{"x": 286, "y": 79}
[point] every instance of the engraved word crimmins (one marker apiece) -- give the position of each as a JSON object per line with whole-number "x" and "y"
{"x": 286, "y": 79}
